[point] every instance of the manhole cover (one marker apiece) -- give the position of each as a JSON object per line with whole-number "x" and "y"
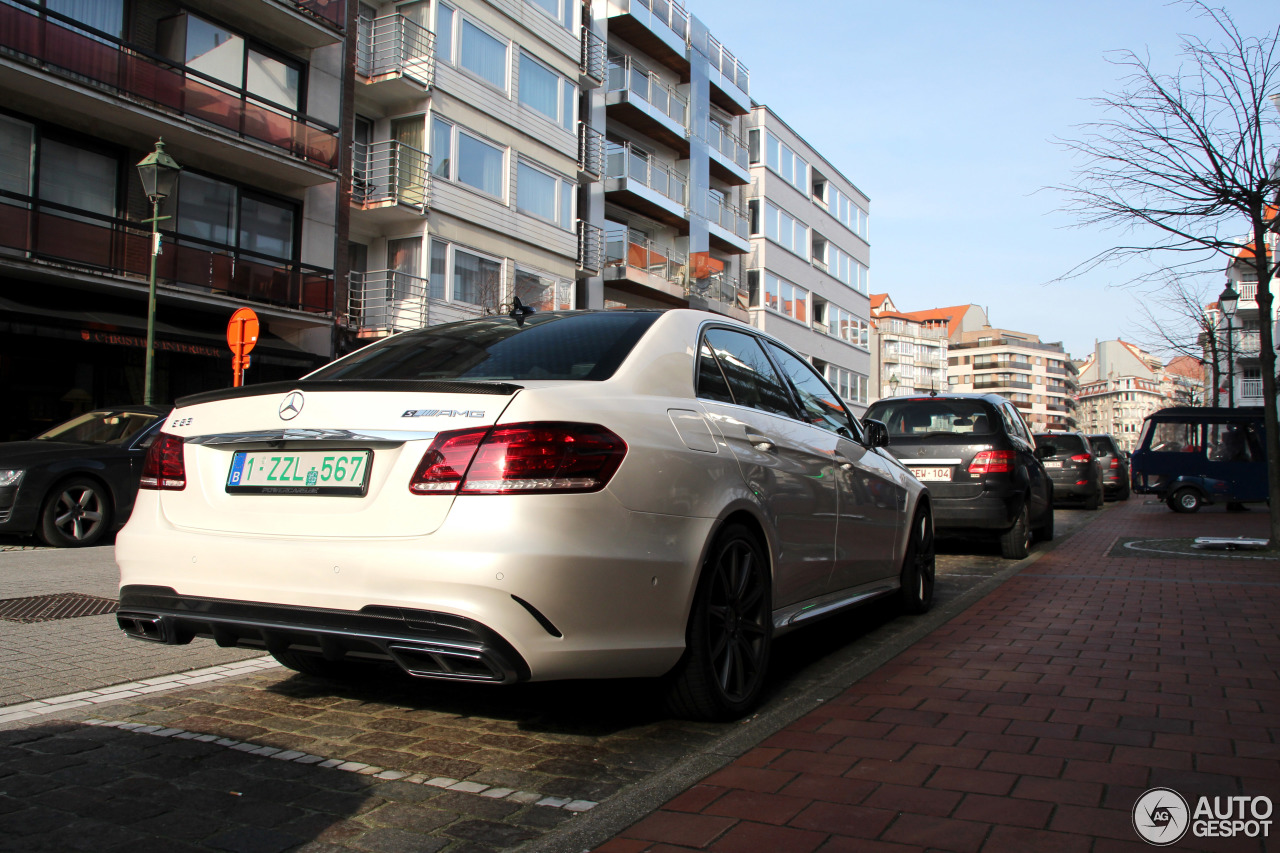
{"x": 59, "y": 605}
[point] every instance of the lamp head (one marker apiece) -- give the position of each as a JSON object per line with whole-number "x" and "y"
{"x": 159, "y": 173}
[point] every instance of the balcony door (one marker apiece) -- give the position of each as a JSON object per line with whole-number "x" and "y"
{"x": 410, "y": 159}
{"x": 404, "y": 266}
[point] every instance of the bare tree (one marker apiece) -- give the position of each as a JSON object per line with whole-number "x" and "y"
{"x": 1181, "y": 163}
{"x": 1175, "y": 320}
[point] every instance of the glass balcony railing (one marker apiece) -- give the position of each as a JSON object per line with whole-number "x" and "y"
{"x": 622, "y": 161}
{"x": 333, "y": 11}
{"x": 390, "y": 171}
{"x": 590, "y": 149}
{"x": 57, "y": 45}
{"x": 53, "y": 232}
{"x": 626, "y": 248}
{"x": 728, "y": 65}
{"x": 625, "y": 74}
{"x": 393, "y": 44}
{"x": 727, "y": 216}
{"x": 720, "y": 287}
{"x": 726, "y": 142}
{"x": 670, "y": 12}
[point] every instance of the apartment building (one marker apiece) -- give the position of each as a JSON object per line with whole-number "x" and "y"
{"x": 1119, "y": 385}
{"x": 1039, "y": 378}
{"x": 1239, "y": 345}
{"x": 807, "y": 274}
{"x": 908, "y": 352}
{"x": 247, "y": 96}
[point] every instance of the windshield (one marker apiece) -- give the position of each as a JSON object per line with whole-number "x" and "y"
{"x": 555, "y": 345}
{"x": 917, "y": 418}
{"x": 100, "y": 428}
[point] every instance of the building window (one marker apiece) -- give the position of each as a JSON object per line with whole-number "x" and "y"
{"x": 221, "y": 213}
{"x": 483, "y": 54}
{"x": 753, "y": 146}
{"x": 561, "y": 10}
{"x": 478, "y": 164}
{"x": 786, "y": 298}
{"x": 460, "y": 275}
{"x": 850, "y": 385}
{"x": 753, "y": 216}
{"x": 444, "y": 32}
{"x": 546, "y": 91}
{"x": 786, "y": 163}
{"x": 544, "y": 195}
{"x": 848, "y": 212}
{"x": 785, "y": 230}
{"x": 225, "y": 55}
{"x": 543, "y": 292}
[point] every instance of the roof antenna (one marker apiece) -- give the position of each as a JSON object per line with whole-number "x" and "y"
{"x": 519, "y": 311}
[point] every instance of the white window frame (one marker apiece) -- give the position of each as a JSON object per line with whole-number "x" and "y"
{"x": 773, "y": 212}
{"x": 455, "y": 156}
{"x": 566, "y": 94}
{"x": 459, "y": 21}
{"x": 565, "y": 18}
{"x": 566, "y": 191}
{"x": 799, "y": 177}
{"x": 451, "y": 250}
{"x": 562, "y": 286}
{"x": 781, "y": 288}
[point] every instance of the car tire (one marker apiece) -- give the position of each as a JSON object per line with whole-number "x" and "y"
{"x": 1015, "y": 543}
{"x": 76, "y": 514}
{"x": 1185, "y": 499}
{"x": 1094, "y": 502}
{"x": 1124, "y": 493}
{"x": 919, "y": 568}
{"x": 730, "y": 632}
{"x": 1044, "y": 533}
{"x": 313, "y": 664}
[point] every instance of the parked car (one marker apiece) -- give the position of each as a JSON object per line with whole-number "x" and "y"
{"x": 977, "y": 456}
{"x": 1114, "y": 463}
{"x": 75, "y": 483}
{"x": 1074, "y": 470}
{"x": 586, "y": 494}
{"x": 1191, "y": 456}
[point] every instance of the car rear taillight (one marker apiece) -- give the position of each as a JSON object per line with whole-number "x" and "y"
{"x": 164, "y": 468}
{"x": 1081, "y": 457}
{"x": 992, "y": 462}
{"x": 520, "y": 459}
{"x": 1115, "y": 462}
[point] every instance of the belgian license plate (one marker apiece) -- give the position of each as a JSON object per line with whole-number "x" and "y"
{"x": 932, "y": 475}
{"x": 1053, "y": 464}
{"x": 306, "y": 472}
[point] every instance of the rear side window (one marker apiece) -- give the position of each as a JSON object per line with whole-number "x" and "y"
{"x": 1061, "y": 445}
{"x": 586, "y": 346}
{"x": 1234, "y": 442}
{"x": 752, "y": 380}
{"x": 934, "y": 416}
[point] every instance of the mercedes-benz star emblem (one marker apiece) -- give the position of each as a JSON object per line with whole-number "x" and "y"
{"x": 291, "y": 406}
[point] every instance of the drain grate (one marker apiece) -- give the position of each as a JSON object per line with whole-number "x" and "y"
{"x": 59, "y": 605}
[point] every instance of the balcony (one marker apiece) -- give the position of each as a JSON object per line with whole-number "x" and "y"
{"x": 658, "y": 27}
{"x": 592, "y": 62}
{"x": 719, "y": 292}
{"x": 638, "y": 99}
{"x": 635, "y": 180}
{"x": 990, "y": 384}
{"x": 383, "y": 302}
{"x": 730, "y": 79}
{"x": 728, "y": 226}
{"x": 590, "y": 153}
{"x": 590, "y": 249}
{"x": 304, "y": 23}
{"x": 1001, "y": 364}
{"x": 136, "y": 75}
{"x": 390, "y": 180}
{"x": 636, "y": 264}
{"x": 36, "y": 231}
{"x": 333, "y": 11}
{"x": 728, "y": 154}
{"x": 395, "y": 58}
{"x": 1251, "y": 390}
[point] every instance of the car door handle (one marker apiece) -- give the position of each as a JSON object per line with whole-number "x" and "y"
{"x": 845, "y": 463}
{"x": 761, "y": 442}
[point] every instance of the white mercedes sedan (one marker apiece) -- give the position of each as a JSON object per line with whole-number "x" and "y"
{"x": 582, "y": 494}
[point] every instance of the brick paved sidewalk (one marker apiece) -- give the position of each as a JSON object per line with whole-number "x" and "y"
{"x": 1034, "y": 720}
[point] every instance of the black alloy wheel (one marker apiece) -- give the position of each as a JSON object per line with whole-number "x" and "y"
{"x": 1015, "y": 543}
{"x": 730, "y": 633}
{"x": 919, "y": 569}
{"x": 76, "y": 514}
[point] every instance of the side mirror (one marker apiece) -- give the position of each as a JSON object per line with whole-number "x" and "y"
{"x": 877, "y": 433}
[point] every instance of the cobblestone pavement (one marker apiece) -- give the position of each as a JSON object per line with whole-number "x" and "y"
{"x": 1033, "y": 721}
{"x": 278, "y": 761}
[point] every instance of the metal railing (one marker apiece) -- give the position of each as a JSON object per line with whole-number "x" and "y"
{"x": 728, "y": 65}
{"x": 387, "y": 301}
{"x": 590, "y": 247}
{"x": 726, "y": 142}
{"x": 625, "y": 74}
{"x": 626, "y": 248}
{"x": 1251, "y": 388}
{"x": 590, "y": 149}
{"x": 333, "y": 11}
{"x": 621, "y": 161}
{"x": 727, "y": 216}
{"x": 393, "y": 44}
{"x": 991, "y": 364}
{"x": 390, "y": 171}
{"x": 670, "y": 12}
{"x": 915, "y": 330}
{"x": 592, "y": 62}
{"x": 59, "y": 44}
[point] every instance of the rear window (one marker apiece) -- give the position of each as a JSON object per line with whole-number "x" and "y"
{"x": 934, "y": 416}
{"x": 556, "y": 345}
{"x": 1060, "y": 445}
{"x": 1102, "y": 445}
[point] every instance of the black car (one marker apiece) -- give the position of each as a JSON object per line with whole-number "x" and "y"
{"x": 977, "y": 456}
{"x": 1114, "y": 464}
{"x": 1072, "y": 467}
{"x": 76, "y": 482}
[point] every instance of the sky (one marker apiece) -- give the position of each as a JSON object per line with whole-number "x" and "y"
{"x": 945, "y": 112}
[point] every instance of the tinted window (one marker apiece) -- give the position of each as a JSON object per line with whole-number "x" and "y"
{"x": 711, "y": 382}
{"x": 820, "y": 406}
{"x": 752, "y": 379}
{"x": 934, "y": 416}
{"x": 554, "y": 345}
{"x": 100, "y": 428}
{"x": 1061, "y": 445}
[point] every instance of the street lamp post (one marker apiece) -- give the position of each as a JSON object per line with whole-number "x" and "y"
{"x": 1227, "y": 302}
{"x": 159, "y": 174}
{"x": 893, "y": 384}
